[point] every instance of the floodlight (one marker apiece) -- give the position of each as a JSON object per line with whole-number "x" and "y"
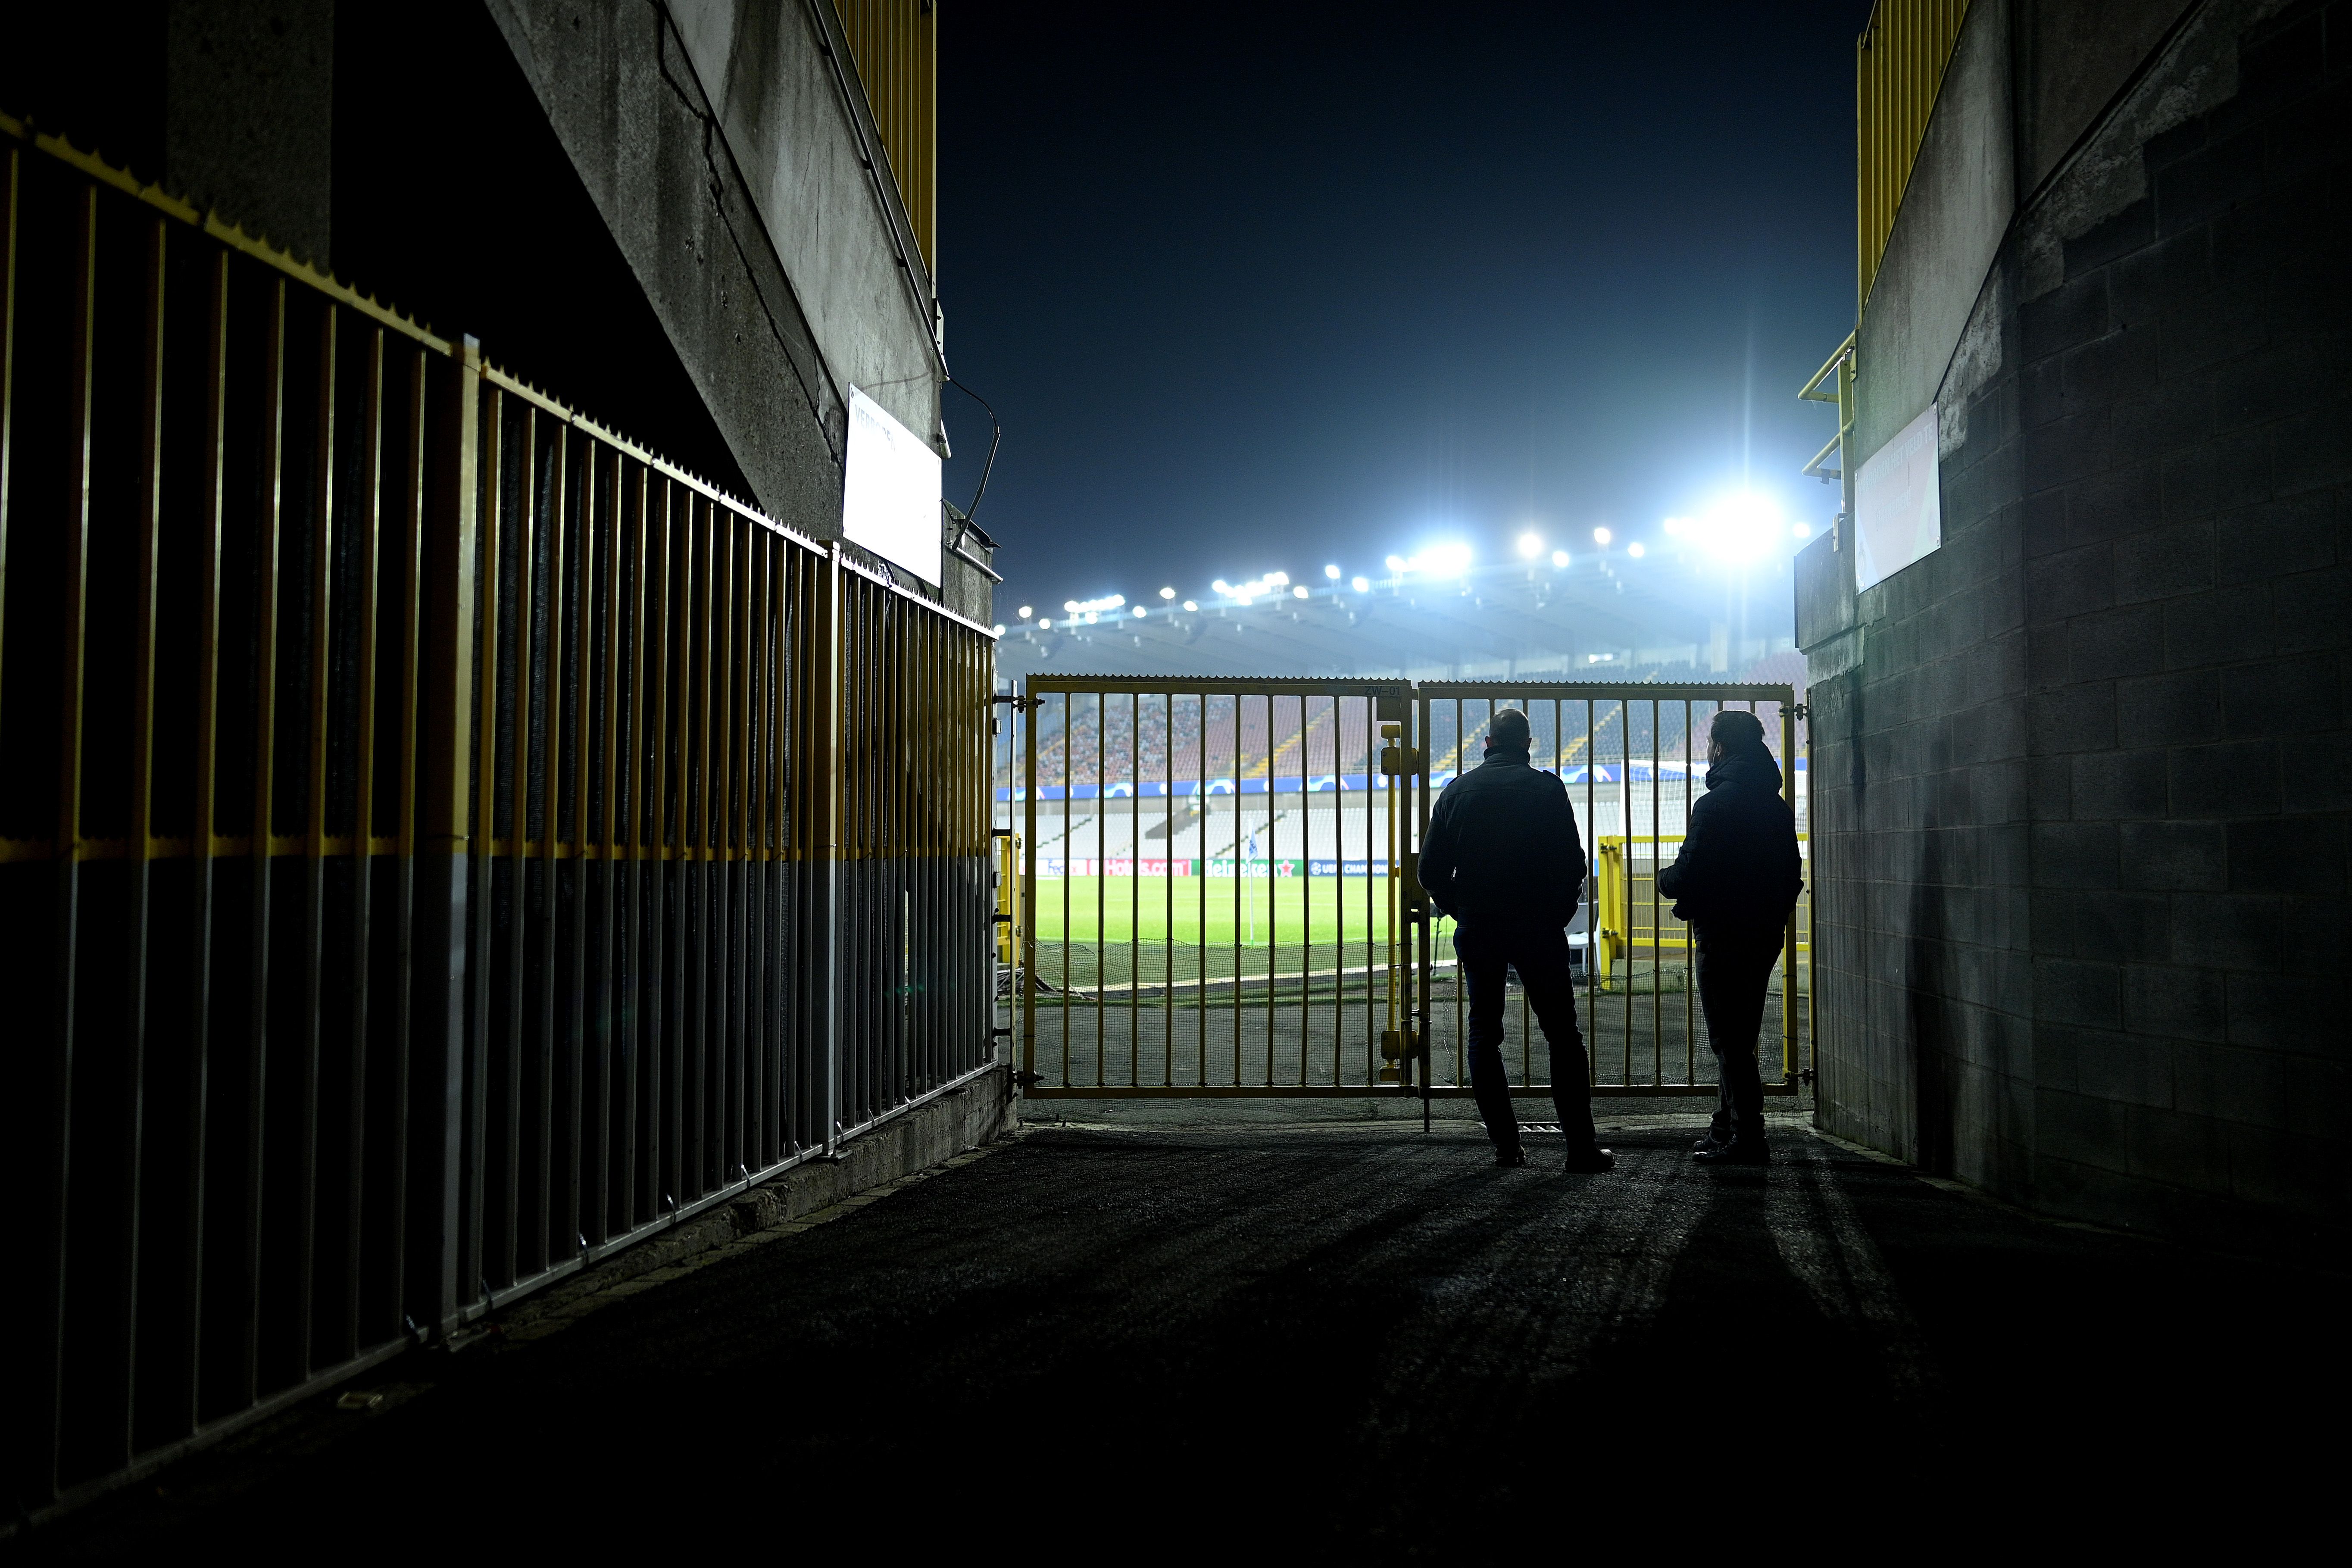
{"x": 1299, "y": 592}
{"x": 1046, "y": 622}
{"x": 1531, "y": 546}
{"x": 1069, "y": 604}
{"x": 1167, "y": 592}
{"x": 1600, "y": 536}
{"x": 1192, "y": 605}
{"x": 1281, "y": 579}
{"x": 999, "y": 631}
{"x": 1560, "y": 558}
{"x": 1361, "y": 584}
{"x": 1804, "y": 531}
{"x": 1026, "y": 612}
{"x": 1636, "y": 550}
{"x": 1677, "y": 526}
{"x": 1140, "y": 611}
{"x": 1739, "y": 527}
{"x": 1396, "y": 563}
{"x": 1332, "y": 573}
{"x": 1220, "y": 585}
{"x": 1449, "y": 559}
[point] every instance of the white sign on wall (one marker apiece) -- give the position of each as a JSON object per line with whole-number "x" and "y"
{"x": 1898, "y": 514}
{"x": 890, "y": 496}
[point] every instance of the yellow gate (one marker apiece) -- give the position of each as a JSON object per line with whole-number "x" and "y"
{"x": 1214, "y": 895}
{"x": 1635, "y": 759}
{"x": 1209, "y": 885}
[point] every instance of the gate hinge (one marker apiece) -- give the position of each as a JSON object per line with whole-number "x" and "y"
{"x": 1021, "y": 704}
{"x": 1801, "y": 711}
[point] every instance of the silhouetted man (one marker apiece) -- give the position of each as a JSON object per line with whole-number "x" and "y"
{"x": 1736, "y": 880}
{"x": 1503, "y": 858}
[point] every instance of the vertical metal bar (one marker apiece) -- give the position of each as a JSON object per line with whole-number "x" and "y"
{"x": 1593, "y": 913}
{"x": 314, "y": 841}
{"x": 203, "y": 828}
{"x": 612, "y": 832}
{"x": 453, "y": 570}
{"x": 483, "y": 863}
{"x": 1134, "y": 890}
{"x": 1025, "y": 720}
{"x": 828, "y": 764}
{"x": 408, "y": 995}
{"x": 1789, "y": 943}
{"x": 370, "y": 548}
{"x": 527, "y": 526}
{"x": 566, "y": 1230}
{"x": 74, "y": 589}
{"x": 1241, "y": 877}
{"x": 529, "y": 1251}
{"x": 718, "y": 858}
{"x": 666, "y": 851}
{"x": 1201, "y": 924}
{"x": 1168, "y": 893}
{"x": 637, "y": 1015}
{"x": 1657, "y": 931}
{"x": 1690, "y": 954}
{"x": 265, "y": 751}
{"x": 1069, "y": 749}
{"x": 1102, "y": 875}
{"x": 142, "y": 820}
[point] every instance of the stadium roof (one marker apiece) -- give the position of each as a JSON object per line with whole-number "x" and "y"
{"x": 1599, "y": 616}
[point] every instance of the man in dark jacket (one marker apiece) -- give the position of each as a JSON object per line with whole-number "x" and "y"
{"x": 1736, "y": 879}
{"x": 1503, "y": 858}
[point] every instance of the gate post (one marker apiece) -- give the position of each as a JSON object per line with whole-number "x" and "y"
{"x": 441, "y": 849}
{"x": 827, "y": 894}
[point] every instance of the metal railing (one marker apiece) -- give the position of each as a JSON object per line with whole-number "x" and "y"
{"x": 441, "y": 842}
{"x": 1899, "y": 62}
{"x": 1634, "y": 760}
{"x": 1211, "y": 894}
{"x": 1219, "y": 894}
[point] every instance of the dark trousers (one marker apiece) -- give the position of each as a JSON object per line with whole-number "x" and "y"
{"x": 1540, "y": 955}
{"x": 1735, "y": 966}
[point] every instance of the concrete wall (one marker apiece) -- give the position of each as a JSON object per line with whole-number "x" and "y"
{"x": 2078, "y": 774}
{"x": 723, "y": 148}
{"x": 663, "y": 214}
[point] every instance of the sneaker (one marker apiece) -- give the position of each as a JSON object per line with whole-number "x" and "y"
{"x": 1511, "y": 1157}
{"x": 1710, "y": 1145}
{"x": 1739, "y": 1151}
{"x": 1590, "y": 1163}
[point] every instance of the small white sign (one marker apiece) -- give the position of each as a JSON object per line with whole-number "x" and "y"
{"x": 890, "y": 496}
{"x": 1898, "y": 513}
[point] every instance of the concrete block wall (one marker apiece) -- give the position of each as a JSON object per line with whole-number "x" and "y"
{"x": 2082, "y": 773}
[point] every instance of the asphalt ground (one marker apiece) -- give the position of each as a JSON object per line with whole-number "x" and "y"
{"x": 1358, "y": 1342}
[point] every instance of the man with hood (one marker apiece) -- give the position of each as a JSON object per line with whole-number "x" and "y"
{"x": 1505, "y": 859}
{"x": 1736, "y": 879}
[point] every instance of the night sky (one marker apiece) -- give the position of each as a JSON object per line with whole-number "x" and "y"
{"x": 1254, "y": 289}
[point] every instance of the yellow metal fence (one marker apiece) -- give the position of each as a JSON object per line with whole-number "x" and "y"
{"x": 1899, "y": 62}
{"x": 440, "y": 842}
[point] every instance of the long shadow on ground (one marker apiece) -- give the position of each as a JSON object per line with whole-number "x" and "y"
{"x": 1355, "y": 1341}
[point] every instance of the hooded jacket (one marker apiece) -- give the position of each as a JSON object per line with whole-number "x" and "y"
{"x": 1503, "y": 846}
{"x": 1738, "y": 864}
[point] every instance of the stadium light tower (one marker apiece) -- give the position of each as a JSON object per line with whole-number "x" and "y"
{"x": 1332, "y": 573}
{"x": 1167, "y": 592}
{"x": 1361, "y": 584}
{"x": 1601, "y": 536}
{"x": 1530, "y": 544}
{"x": 1560, "y": 558}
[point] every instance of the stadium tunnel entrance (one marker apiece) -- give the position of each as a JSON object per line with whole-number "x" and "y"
{"x": 1208, "y": 887}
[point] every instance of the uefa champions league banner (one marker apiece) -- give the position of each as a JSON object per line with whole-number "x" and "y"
{"x": 1051, "y": 867}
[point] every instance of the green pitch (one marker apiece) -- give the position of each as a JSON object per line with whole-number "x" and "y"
{"x": 1216, "y": 912}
